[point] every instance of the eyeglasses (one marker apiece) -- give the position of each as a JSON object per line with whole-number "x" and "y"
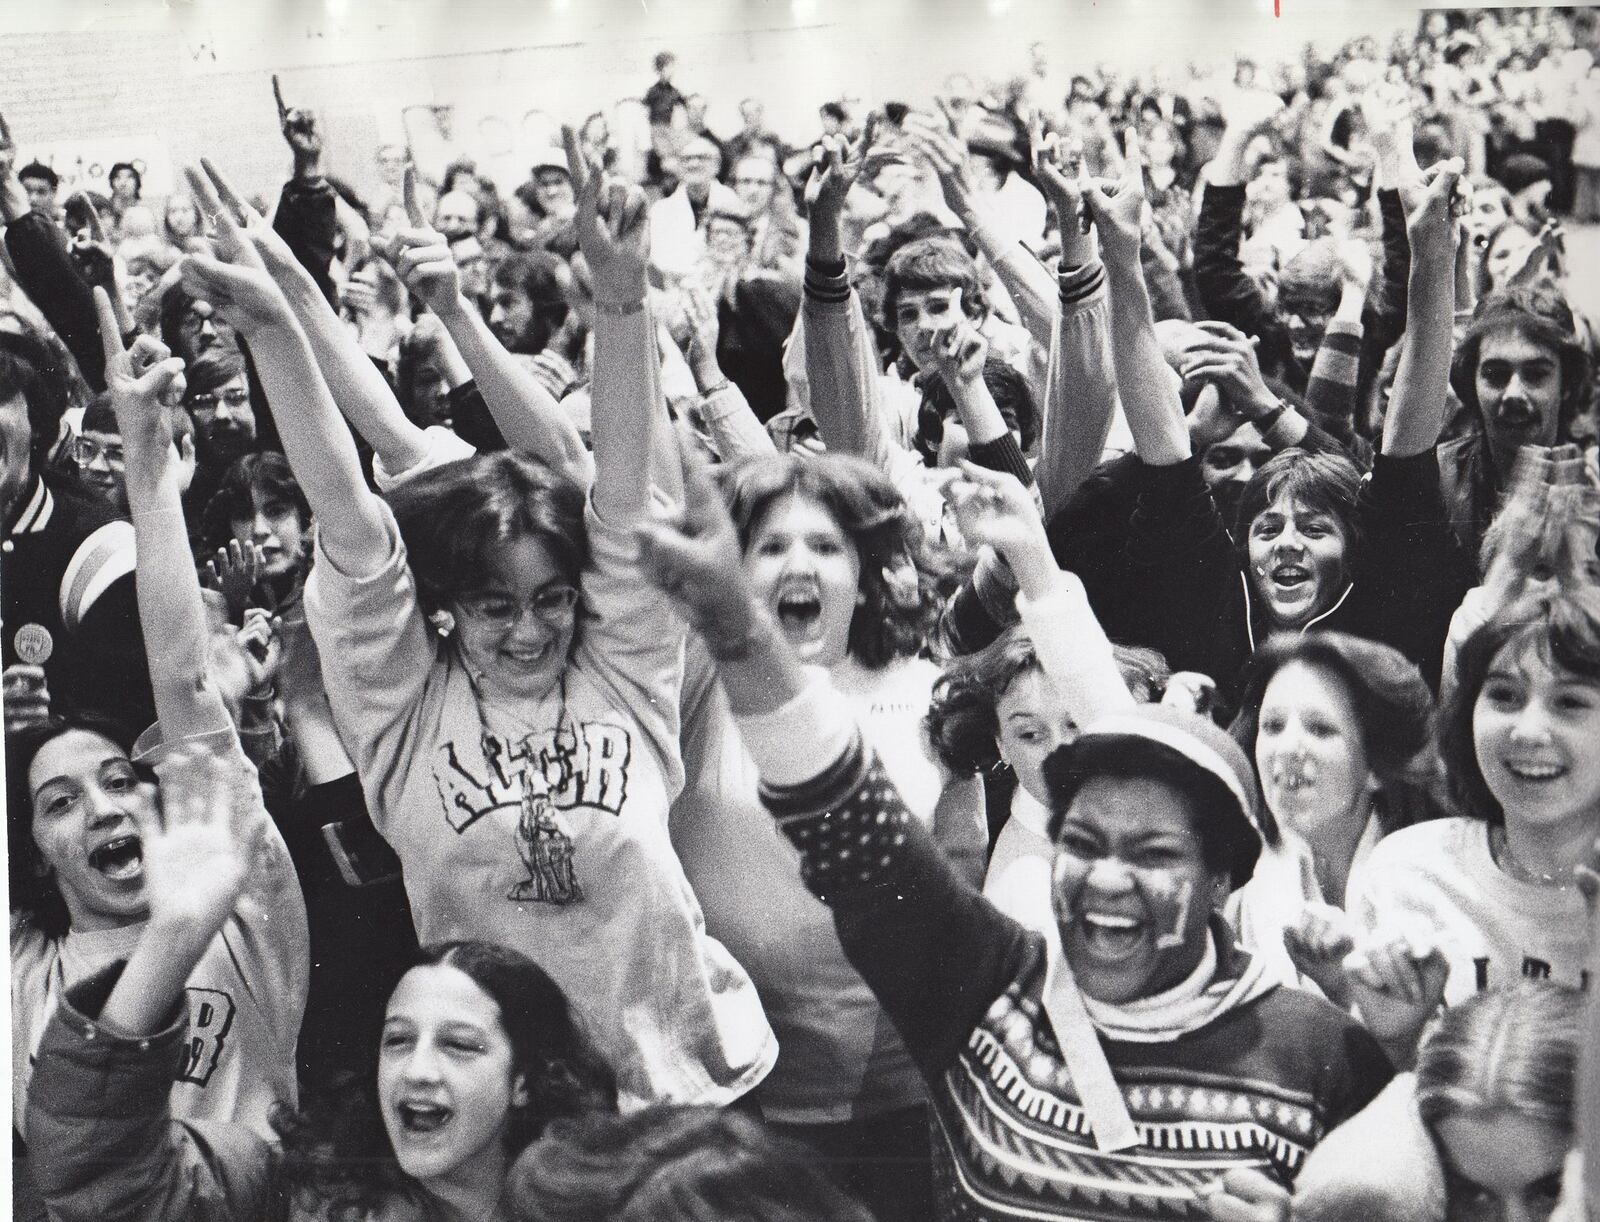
{"x": 206, "y": 402}
{"x": 498, "y": 611}
{"x": 86, "y": 449}
{"x": 741, "y": 180}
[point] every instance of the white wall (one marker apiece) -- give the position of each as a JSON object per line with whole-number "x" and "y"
{"x": 83, "y": 78}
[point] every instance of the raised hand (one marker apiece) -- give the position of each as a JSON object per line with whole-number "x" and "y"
{"x": 300, "y": 130}
{"x": 140, "y": 382}
{"x": 199, "y": 851}
{"x": 260, "y": 640}
{"x": 1227, "y": 359}
{"x": 700, "y": 315}
{"x": 993, "y": 508}
{"x": 421, "y": 257}
{"x": 1431, "y": 203}
{"x": 838, "y": 164}
{"x": 267, "y": 242}
{"x": 233, "y": 573}
{"x": 90, "y": 250}
{"x": 235, "y": 279}
{"x": 1060, "y": 174}
{"x": 938, "y": 142}
{"x": 1397, "y": 980}
{"x": 690, "y": 552}
{"x": 1318, "y": 944}
{"x": 1117, "y": 207}
{"x": 613, "y": 227}
{"x": 959, "y": 355}
{"x": 1248, "y": 112}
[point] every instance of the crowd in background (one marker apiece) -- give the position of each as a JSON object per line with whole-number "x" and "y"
{"x": 1030, "y": 651}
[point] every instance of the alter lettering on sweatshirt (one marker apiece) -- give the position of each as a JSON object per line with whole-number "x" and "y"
{"x": 210, "y": 1019}
{"x": 1532, "y": 969}
{"x": 573, "y": 766}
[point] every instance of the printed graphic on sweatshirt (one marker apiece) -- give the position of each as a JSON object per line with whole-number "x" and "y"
{"x": 210, "y": 1019}
{"x": 573, "y": 766}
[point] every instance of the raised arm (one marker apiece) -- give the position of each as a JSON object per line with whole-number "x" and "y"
{"x": 306, "y": 215}
{"x": 1026, "y": 279}
{"x": 841, "y": 360}
{"x": 141, "y": 383}
{"x": 1146, "y": 386}
{"x": 1081, "y": 387}
{"x": 354, "y": 381}
{"x": 350, "y": 524}
{"x": 1417, "y": 404}
{"x": 933, "y": 950}
{"x": 527, "y": 414}
{"x": 1226, "y": 291}
{"x": 734, "y": 429}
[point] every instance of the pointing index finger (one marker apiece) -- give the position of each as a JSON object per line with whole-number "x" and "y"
{"x": 225, "y": 192}
{"x": 414, "y": 215}
{"x": 110, "y": 333}
{"x": 277, "y": 95}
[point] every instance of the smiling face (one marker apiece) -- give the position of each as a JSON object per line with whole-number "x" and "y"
{"x": 1297, "y": 560}
{"x": 1033, "y": 721}
{"x": 1501, "y": 1166}
{"x": 1534, "y": 729}
{"x": 446, "y": 1079}
{"x": 1518, "y": 382}
{"x": 1311, "y": 757}
{"x": 923, "y": 320}
{"x": 1132, "y": 893}
{"x": 516, "y": 630}
{"x": 808, "y": 572}
{"x": 275, "y": 527}
{"x": 85, "y": 797}
{"x": 1228, "y": 465}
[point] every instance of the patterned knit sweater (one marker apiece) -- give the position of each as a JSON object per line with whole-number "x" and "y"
{"x": 1256, "y": 1087}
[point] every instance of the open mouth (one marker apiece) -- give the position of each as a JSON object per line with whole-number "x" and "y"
{"x": 1291, "y": 578}
{"x": 421, "y": 1119}
{"x": 119, "y": 859}
{"x": 799, "y": 610}
{"x": 1108, "y": 936}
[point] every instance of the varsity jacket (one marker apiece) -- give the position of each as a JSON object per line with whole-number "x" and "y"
{"x": 1256, "y": 1087}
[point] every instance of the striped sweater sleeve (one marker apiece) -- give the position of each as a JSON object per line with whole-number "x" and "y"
{"x": 933, "y": 950}
{"x": 1331, "y": 388}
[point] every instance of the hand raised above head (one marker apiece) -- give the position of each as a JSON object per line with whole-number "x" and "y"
{"x": 613, "y": 228}
{"x": 140, "y": 397}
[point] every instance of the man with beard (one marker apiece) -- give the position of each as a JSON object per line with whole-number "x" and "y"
{"x": 528, "y": 301}
{"x": 217, "y": 398}
{"x": 1524, "y": 376}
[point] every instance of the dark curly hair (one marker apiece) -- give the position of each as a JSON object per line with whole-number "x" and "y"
{"x": 672, "y": 1163}
{"x": 33, "y": 890}
{"x": 453, "y": 517}
{"x": 872, "y": 515}
{"x": 267, "y": 473}
{"x": 1565, "y": 630}
{"x": 1394, "y": 711}
{"x": 961, "y": 721}
{"x": 338, "y": 1161}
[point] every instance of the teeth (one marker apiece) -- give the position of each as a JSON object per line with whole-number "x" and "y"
{"x": 1107, "y": 921}
{"x": 1536, "y": 772}
{"x": 423, "y": 1117}
{"x": 119, "y": 859}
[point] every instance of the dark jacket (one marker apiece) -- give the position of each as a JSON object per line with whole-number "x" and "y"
{"x": 1188, "y": 594}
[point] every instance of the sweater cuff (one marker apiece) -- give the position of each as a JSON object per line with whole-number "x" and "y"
{"x": 83, "y": 1002}
{"x": 1079, "y": 283}
{"x": 787, "y": 742}
{"x": 827, "y": 281}
{"x": 1002, "y": 454}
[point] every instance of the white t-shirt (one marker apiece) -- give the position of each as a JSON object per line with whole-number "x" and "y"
{"x": 546, "y": 830}
{"x": 247, "y": 995}
{"x": 1493, "y": 928}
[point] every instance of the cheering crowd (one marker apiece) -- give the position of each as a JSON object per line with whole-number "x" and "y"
{"x": 1032, "y": 653}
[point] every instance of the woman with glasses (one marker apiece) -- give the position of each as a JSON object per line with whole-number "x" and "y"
{"x": 505, "y": 681}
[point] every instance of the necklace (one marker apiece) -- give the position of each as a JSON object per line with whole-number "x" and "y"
{"x": 1560, "y": 880}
